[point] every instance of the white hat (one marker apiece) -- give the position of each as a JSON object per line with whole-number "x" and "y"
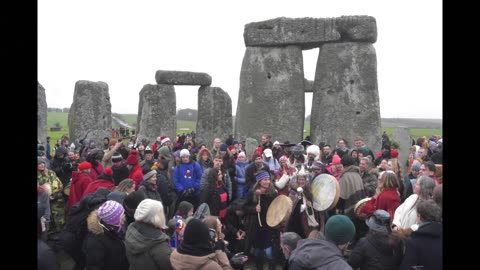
{"x": 267, "y": 152}
{"x": 184, "y": 152}
{"x": 151, "y": 212}
{"x": 164, "y": 140}
{"x": 276, "y": 142}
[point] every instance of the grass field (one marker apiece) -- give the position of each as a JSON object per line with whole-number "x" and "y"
{"x": 187, "y": 126}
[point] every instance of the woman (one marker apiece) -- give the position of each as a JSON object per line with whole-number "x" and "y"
{"x": 387, "y": 199}
{"x": 394, "y": 165}
{"x": 304, "y": 218}
{"x": 204, "y": 157}
{"x": 215, "y": 194}
{"x": 146, "y": 244}
{"x": 126, "y": 185}
{"x": 198, "y": 250}
{"x": 104, "y": 248}
{"x": 259, "y": 233}
{"x": 283, "y": 175}
{"x": 80, "y": 181}
{"x": 405, "y": 219}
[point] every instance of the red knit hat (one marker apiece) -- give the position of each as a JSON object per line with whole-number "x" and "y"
{"x": 394, "y": 153}
{"x": 231, "y": 147}
{"x": 84, "y": 166}
{"x": 336, "y": 159}
{"x": 132, "y": 158}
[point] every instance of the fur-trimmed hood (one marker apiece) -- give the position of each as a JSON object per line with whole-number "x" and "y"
{"x": 93, "y": 223}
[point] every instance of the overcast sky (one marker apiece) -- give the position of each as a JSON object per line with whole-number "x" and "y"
{"x": 123, "y": 43}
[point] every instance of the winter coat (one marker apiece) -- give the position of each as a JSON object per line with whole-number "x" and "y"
{"x": 374, "y": 252}
{"x": 211, "y": 196}
{"x": 317, "y": 254}
{"x": 78, "y": 186}
{"x": 103, "y": 247}
{"x": 186, "y": 176}
{"x": 227, "y": 182}
{"x": 424, "y": 248}
{"x": 214, "y": 261}
{"x": 406, "y": 214}
{"x": 387, "y": 200}
{"x": 150, "y": 194}
{"x": 46, "y": 259}
{"x": 93, "y": 186}
{"x": 351, "y": 190}
{"x": 240, "y": 178}
{"x": 136, "y": 175}
{"x": 369, "y": 182}
{"x": 147, "y": 247}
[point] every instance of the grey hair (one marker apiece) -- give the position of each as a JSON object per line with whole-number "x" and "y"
{"x": 369, "y": 162}
{"x": 429, "y": 211}
{"x": 427, "y": 184}
{"x": 290, "y": 239}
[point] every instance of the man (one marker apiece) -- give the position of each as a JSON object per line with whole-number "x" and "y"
{"x": 218, "y": 163}
{"x": 369, "y": 179}
{"x": 255, "y": 167}
{"x": 216, "y": 146}
{"x": 328, "y": 253}
{"x": 148, "y": 162}
{"x": 327, "y": 154}
{"x": 266, "y": 143}
{"x": 428, "y": 169}
{"x": 424, "y": 248}
{"x": 288, "y": 242}
{"x": 186, "y": 176}
{"x": 270, "y": 160}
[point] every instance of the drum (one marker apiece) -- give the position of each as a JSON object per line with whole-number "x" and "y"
{"x": 279, "y": 211}
{"x": 66, "y": 189}
{"x": 359, "y": 205}
{"x": 326, "y": 192}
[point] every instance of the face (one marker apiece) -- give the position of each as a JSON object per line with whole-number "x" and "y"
{"x": 301, "y": 181}
{"x": 311, "y": 156}
{"x": 205, "y": 156}
{"x": 71, "y": 155}
{"x": 326, "y": 150}
{"x": 141, "y": 147}
{"x": 339, "y": 167}
{"x": 258, "y": 160}
{"x": 217, "y": 163}
{"x": 363, "y": 165}
{"x": 389, "y": 166}
{"x": 242, "y": 158}
{"x": 132, "y": 189}
{"x": 185, "y": 159}
{"x": 265, "y": 182}
{"x": 264, "y": 139}
{"x": 354, "y": 154}
{"x": 425, "y": 171}
{"x": 383, "y": 164}
{"x": 216, "y": 143}
{"x": 148, "y": 156}
{"x": 105, "y": 141}
{"x": 421, "y": 152}
{"x": 415, "y": 173}
{"x": 153, "y": 179}
{"x": 219, "y": 176}
{"x": 358, "y": 143}
{"x": 41, "y": 166}
{"x": 341, "y": 143}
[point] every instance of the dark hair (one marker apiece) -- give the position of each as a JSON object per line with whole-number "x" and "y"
{"x": 430, "y": 165}
{"x": 212, "y": 176}
{"x": 428, "y": 210}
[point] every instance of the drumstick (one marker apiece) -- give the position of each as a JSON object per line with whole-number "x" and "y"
{"x": 258, "y": 192}
{"x": 300, "y": 190}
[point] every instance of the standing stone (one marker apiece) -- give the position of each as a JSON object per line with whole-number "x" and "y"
{"x": 41, "y": 115}
{"x": 250, "y": 145}
{"x": 214, "y": 115}
{"x": 345, "y": 95}
{"x": 271, "y": 97}
{"x": 156, "y": 112}
{"x": 402, "y": 136}
{"x": 90, "y": 115}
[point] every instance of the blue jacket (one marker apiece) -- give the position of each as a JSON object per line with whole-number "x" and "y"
{"x": 187, "y": 175}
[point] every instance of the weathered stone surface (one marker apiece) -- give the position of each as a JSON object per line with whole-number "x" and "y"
{"x": 41, "y": 114}
{"x": 308, "y": 86}
{"x": 345, "y": 97}
{"x": 271, "y": 97}
{"x": 402, "y": 136}
{"x": 182, "y": 78}
{"x": 156, "y": 112}
{"x": 250, "y": 145}
{"x": 310, "y": 32}
{"x": 90, "y": 115}
{"x": 214, "y": 114}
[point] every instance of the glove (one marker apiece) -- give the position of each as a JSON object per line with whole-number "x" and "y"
{"x": 185, "y": 193}
{"x": 219, "y": 245}
{"x": 302, "y": 207}
{"x": 191, "y": 190}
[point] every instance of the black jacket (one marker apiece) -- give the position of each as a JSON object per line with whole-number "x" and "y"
{"x": 424, "y": 247}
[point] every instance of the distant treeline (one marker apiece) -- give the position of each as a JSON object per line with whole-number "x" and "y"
{"x": 58, "y": 110}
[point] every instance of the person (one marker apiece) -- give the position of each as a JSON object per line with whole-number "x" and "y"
{"x": 134, "y": 168}
{"x": 149, "y": 185}
{"x": 424, "y": 248}
{"x": 127, "y": 185}
{"x": 266, "y": 141}
{"x": 215, "y": 194}
{"x": 146, "y": 245}
{"x": 46, "y": 258}
{"x": 199, "y": 250}
{"x": 80, "y": 181}
{"x": 235, "y": 225}
{"x": 283, "y": 176}
{"x": 187, "y": 176}
{"x": 405, "y": 219}
{"x": 325, "y": 253}
{"x": 288, "y": 242}
{"x": 240, "y": 166}
{"x": 369, "y": 177}
{"x": 258, "y": 232}
{"x": 104, "y": 248}
{"x": 380, "y": 248}
{"x": 388, "y": 198}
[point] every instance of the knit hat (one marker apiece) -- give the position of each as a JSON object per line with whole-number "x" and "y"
{"x": 202, "y": 211}
{"x": 107, "y": 175}
{"x": 223, "y": 147}
{"x": 379, "y": 221}
{"x": 256, "y": 155}
{"x": 149, "y": 174}
{"x": 40, "y": 161}
{"x": 347, "y": 160}
{"x": 117, "y": 157}
{"x": 259, "y": 150}
{"x": 276, "y": 142}
{"x": 196, "y": 239}
{"x": 111, "y": 213}
{"x": 313, "y": 149}
{"x": 84, "y": 166}
{"x": 164, "y": 139}
{"x": 117, "y": 196}
{"x": 364, "y": 150}
{"x": 267, "y": 152}
{"x": 231, "y": 147}
{"x": 151, "y": 212}
{"x": 416, "y": 165}
{"x": 112, "y": 142}
{"x": 297, "y": 149}
{"x": 148, "y": 150}
{"x": 339, "y": 229}
{"x": 261, "y": 175}
{"x": 336, "y": 159}
{"x": 184, "y": 153}
{"x": 183, "y": 208}
{"x": 132, "y": 158}
{"x": 394, "y": 153}
{"x": 133, "y": 199}
{"x": 241, "y": 154}
{"x": 283, "y": 157}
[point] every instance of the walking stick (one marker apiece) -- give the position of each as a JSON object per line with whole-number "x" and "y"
{"x": 258, "y": 192}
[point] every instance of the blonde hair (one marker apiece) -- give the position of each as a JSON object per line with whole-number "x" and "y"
{"x": 125, "y": 184}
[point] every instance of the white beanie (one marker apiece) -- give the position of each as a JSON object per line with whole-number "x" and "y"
{"x": 184, "y": 152}
{"x": 151, "y": 212}
{"x": 313, "y": 149}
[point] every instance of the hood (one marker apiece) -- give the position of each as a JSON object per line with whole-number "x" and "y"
{"x": 183, "y": 261}
{"x": 93, "y": 224}
{"x": 314, "y": 253}
{"x": 141, "y": 237}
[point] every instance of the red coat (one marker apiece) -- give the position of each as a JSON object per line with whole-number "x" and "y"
{"x": 136, "y": 175}
{"x": 79, "y": 184}
{"x": 93, "y": 186}
{"x": 387, "y": 200}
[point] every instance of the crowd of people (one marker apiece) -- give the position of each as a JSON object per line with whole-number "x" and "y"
{"x": 176, "y": 204}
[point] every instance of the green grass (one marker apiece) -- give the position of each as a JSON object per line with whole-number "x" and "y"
{"x": 417, "y": 132}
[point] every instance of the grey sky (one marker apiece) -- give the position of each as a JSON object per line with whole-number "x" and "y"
{"x": 123, "y": 43}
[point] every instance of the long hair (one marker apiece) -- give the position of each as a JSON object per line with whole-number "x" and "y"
{"x": 389, "y": 180}
{"x": 427, "y": 185}
{"x": 211, "y": 222}
{"x": 212, "y": 177}
{"x": 270, "y": 190}
{"x": 125, "y": 184}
